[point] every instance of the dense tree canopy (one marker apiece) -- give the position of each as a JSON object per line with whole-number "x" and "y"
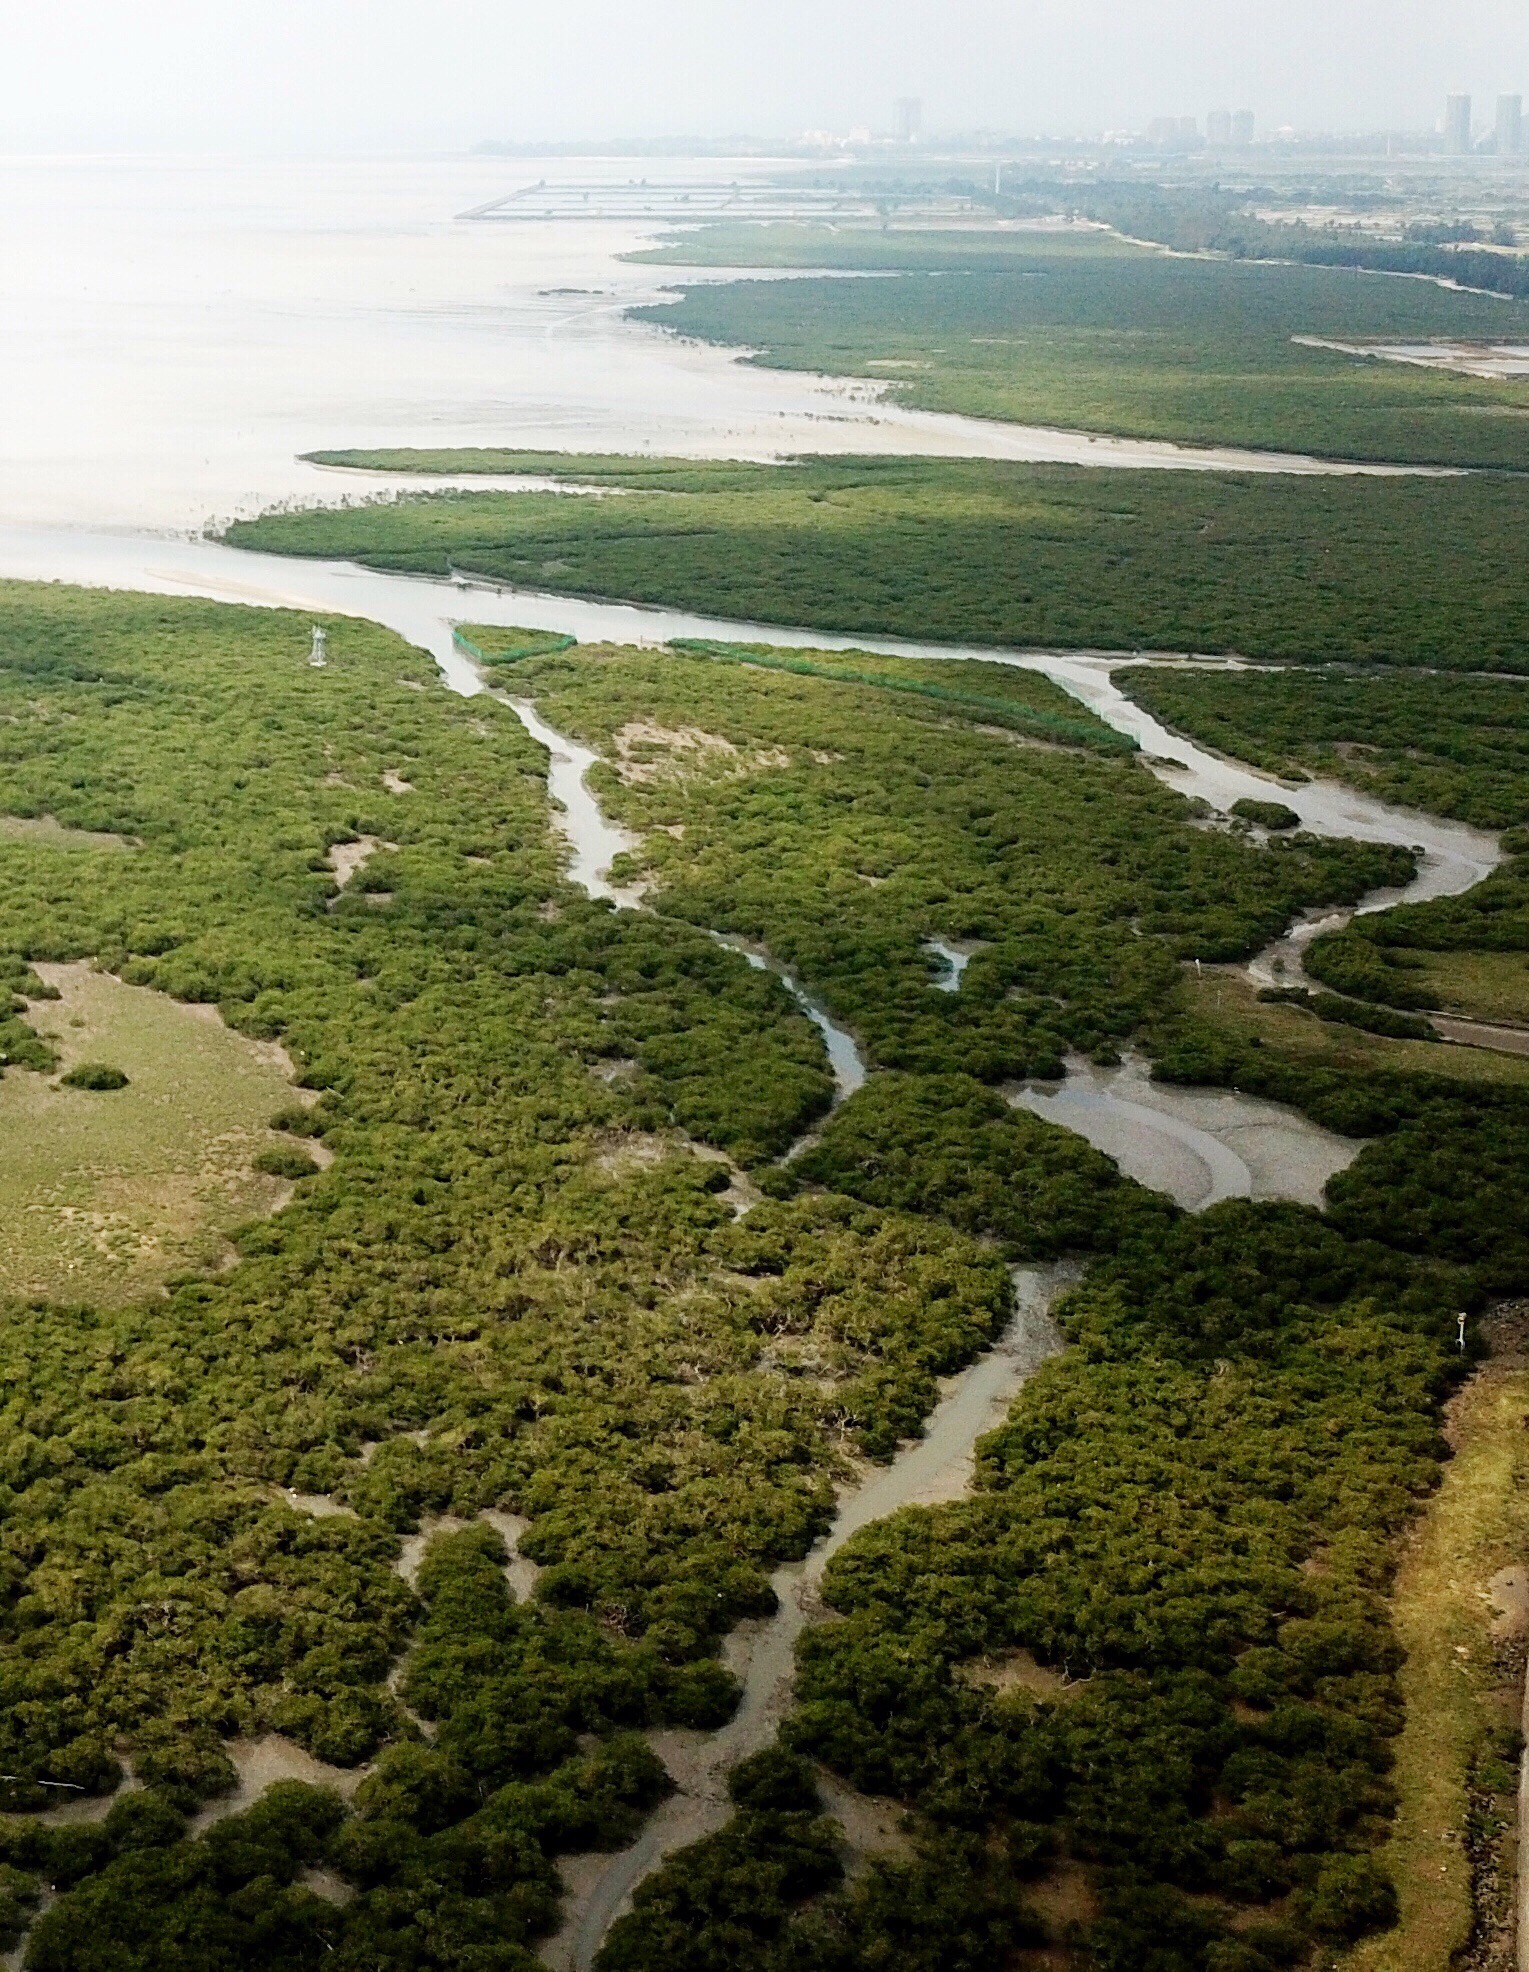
{"x": 1152, "y": 1645}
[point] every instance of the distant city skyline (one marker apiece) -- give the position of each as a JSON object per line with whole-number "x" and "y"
{"x": 316, "y": 75}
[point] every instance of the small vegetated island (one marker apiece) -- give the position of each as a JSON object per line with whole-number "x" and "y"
{"x": 586, "y": 1295}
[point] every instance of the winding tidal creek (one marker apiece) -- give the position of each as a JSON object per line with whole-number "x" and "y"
{"x": 1121, "y": 1112}
{"x": 935, "y": 1468}
{"x": 1199, "y": 1145}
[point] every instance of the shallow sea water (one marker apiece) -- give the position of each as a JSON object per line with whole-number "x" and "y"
{"x": 174, "y": 332}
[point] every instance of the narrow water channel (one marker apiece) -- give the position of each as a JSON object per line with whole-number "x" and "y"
{"x": 935, "y": 1468}
{"x": 1201, "y": 1145}
{"x": 424, "y": 611}
{"x": 1453, "y": 857}
{"x": 595, "y": 841}
{"x": 953, "y": 961}
{"x": 844, "y": 1056}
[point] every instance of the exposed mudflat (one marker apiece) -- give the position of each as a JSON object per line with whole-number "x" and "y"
{"x": 1199, "y": 1145}
{"x": 260, "y": 1763}
{"x": 1461, "y": 359}
{"x": 1481, "y": 1034}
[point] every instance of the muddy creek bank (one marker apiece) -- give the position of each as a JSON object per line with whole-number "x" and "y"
{"x": 935, "y": 1468}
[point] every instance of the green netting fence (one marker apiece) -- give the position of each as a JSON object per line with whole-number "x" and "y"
{"x": 526, "y": 643}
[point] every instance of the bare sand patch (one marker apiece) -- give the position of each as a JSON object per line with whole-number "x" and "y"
{"x": 52, "y": 834}
{"x": 872, "y": 1826}
{"x": 647, "y": 752}
{"x": 348, "y": 859}
{"x": 1198, "y": 1145}
{"x": 1465, "y": 358}
{"x": 625, "y": 1153}
{"x": 621, "y": 1153}
{"x": 1063, "y": 1898}
{"x": 1020, "y": 1670}
{"x": 260, "y": 1764}
{"x": 104, "y": 1195}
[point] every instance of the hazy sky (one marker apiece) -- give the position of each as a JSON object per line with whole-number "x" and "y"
{"x": 346, "y": 74}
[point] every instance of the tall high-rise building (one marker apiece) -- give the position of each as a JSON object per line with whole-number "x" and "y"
{"x": 1242, "y": 129}
{"x": 1510, "y": 126}
{"x": 1218, "y": 129}
{"x": 1457, "y": 126}
{"x": 910, "y": 118}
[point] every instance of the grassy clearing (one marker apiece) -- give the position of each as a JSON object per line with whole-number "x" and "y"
{"x": 1490, "y": 986}
{"x": 45, "y": 829}
{"x": 103, "y": 1196}
{"x": 1228, "y": 1002}
{"x": 1461, "y": 1683}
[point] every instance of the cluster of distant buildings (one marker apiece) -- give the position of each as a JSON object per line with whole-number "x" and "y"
{"x": 1504, "y": 139}
{"x": 1224, "y": 130}
{"x": 1235, "y": 130}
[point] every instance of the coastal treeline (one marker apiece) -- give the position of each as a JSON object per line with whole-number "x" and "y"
{"x": 1222, "y": 222}
{"x": 982, "y": 552}
{"x": 1446, "y": 746}
{"x": 1212, "y": 344}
